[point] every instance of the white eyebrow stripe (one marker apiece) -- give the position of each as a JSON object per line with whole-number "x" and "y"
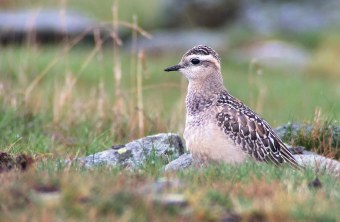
{"x": 209, "y": 58}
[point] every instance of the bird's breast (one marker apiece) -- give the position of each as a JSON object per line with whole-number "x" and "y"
{"x": 207, "y": 142}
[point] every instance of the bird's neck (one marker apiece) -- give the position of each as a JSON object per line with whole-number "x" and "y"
{"x": 212, "y": 84}
{"x": 203, "y": 93}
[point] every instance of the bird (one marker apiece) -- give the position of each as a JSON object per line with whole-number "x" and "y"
{"x": 219, "y": 128}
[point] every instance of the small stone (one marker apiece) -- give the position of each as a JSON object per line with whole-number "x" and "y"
{"x": 164, "y": 191}
{"x": 180, "y": 163}
{"x": 171, "y": 199}
{"x": 48, "y": 199}
{"x": 160, "y": 186}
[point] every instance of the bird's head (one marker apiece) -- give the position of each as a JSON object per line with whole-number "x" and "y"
{"x": 198, "y": 63}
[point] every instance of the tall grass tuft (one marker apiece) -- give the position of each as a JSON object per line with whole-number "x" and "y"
{"x": 63, "y": 99}
{"x": 118, "y": 108}
{"x": 65, "y": 104}
{"x": 140, "y": 106}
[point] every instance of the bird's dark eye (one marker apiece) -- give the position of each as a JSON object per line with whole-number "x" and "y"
{"x": 195, "y": 61}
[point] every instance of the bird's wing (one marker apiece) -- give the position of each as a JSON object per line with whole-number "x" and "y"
{"x": 250, "y": 132}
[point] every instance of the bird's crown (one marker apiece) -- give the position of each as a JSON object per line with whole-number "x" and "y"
{"x": 203, "y": 50}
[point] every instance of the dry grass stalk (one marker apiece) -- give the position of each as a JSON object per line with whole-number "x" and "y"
{"x": 101, "y": 101}
{"x": 117, "y": 72}
{"x": 140, "y": 106}
{"x": 129, "y": 25}
{"x": 137, "y": 28}
{"x": 66, "y": 105}
{"x": 133, "y": 48}
{"x": 31, "y": 38}
{"x": 62, "y": 12}
{"x": 45, "y": 71}
{"x": 316, "y": 123}
{"x": 63, "y": 98}
{"x": 36, "y": 80}
{"x": 325, "y": 138}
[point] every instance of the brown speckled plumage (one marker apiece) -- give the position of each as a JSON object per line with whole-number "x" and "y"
{"x": 250, "y": 132}
{"x": 218, "y": 126}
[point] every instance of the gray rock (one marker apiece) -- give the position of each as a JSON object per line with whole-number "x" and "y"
{"x": 267, "y": 17}
{"x": 274, "y": 54}
{"x": 163, "y": 41}
{"x": 135, "y": 153}
{"x": 318, "y": 162}
{"x": 306, "y": 159}
{"x": 262, "y": 17}
{"x": 170, "y": 146}
{"x": 292, "y": 129}
{"x": 44, "y": 20}
{"x": 45, "y": 25}
{"x": 199, "y": 13}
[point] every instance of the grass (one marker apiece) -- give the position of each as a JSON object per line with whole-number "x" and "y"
{"x": 72, "y": 102}
{"x": 247, "y": 192}
{"x": 57, "y": 104}
{"x": 72, "y": 112}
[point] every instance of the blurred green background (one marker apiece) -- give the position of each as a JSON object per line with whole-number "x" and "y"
{"x": 78, "y": 76}
{"x": 279, "y": 57}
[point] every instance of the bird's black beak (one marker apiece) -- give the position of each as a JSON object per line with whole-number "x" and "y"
{"x": 173, "y": 68}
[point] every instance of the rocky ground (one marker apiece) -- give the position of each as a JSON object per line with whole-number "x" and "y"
{"x": 170, "y": 147}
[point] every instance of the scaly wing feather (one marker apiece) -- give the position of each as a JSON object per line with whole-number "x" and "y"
{"x": 250, "y": 132}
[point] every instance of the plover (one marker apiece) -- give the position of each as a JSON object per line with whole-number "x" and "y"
{"x": 219, "y": 127}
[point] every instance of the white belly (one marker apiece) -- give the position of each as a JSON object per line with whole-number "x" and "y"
{"x": 207, "y": 142}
